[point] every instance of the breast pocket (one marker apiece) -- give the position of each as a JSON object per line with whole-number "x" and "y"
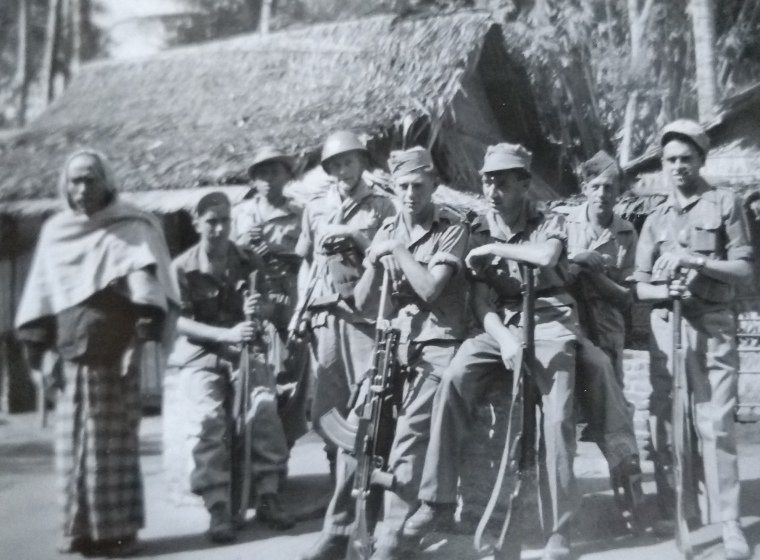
{"x": 204, "y": 298}
{"x": 706, "y": 237}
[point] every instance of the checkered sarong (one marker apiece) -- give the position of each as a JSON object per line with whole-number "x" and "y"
{"x": 97, "y": 452}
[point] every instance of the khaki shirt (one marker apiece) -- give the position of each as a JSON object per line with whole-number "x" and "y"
{"x": 364, "y": 209}
{"x": 209, "y": 299}
{"x": 617, "y": 244}
{"x": 535, "y": 225}
{"x": 712, "y": 225}
{"x": 443, "y": 240}
{"x": 281, "y": 228}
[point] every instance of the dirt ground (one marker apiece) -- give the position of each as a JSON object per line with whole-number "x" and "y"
{"x": 29, "y": 514}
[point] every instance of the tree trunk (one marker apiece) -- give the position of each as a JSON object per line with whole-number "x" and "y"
{"x": 51, "y": 43}
{"x": 76, "y": 36}
{"x": 626, "y": 144}
{"x": 266, "y": 14}
{"x": 703, "y": 21}
{"x": 22, "y": 64}
{"x": 637, "y": 21}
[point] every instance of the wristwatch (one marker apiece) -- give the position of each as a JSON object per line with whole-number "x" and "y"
{"x": 699, "y": 264}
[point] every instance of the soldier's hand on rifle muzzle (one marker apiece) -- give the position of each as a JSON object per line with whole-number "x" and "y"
{"x": 678, "y": 288}
{"x": 510, "y": 348}
{"x": 479, "y": 259}
{"x": 254, "y": 305}
{"x": 240, "y": 333}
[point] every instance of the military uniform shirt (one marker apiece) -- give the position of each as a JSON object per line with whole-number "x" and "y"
{"x": 712, "y": 226}
{"x": 363, "y": 209}
{"x": 535, "y": 225}
{"x": 617, "y": 244}
{"x": 444, "y": 241}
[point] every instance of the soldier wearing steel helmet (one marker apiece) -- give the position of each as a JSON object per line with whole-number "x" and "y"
{"x": 422, "y": 248}
{"x": 695, "y": 247}
{"x": 336, "y": 230}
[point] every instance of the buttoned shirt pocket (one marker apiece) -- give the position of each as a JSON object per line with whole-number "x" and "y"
{"x": 706, "y": 237}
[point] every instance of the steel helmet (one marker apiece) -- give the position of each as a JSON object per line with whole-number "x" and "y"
{"x": 341, "y": 142}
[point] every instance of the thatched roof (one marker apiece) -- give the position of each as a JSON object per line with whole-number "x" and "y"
{"x": 160, "y": 201}
{"x": 192, "y": 116}
{"x": 738, "y": 115}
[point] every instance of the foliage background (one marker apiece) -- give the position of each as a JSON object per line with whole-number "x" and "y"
{"x": 578, "y": 53}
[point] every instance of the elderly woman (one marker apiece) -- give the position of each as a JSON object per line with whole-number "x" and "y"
{"x": 99, "y": 286}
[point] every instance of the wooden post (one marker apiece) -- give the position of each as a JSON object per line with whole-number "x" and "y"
{"x": 22, "y": 64}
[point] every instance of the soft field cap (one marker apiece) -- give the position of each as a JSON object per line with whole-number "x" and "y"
{"x": 403, "y": 162}
{"x": 503, "y": 157}
{"x": 210, "y": 200}
{"x": 688, "y": 128}
{"x": 268, "y": 154}
{"x": 601, "y": 164}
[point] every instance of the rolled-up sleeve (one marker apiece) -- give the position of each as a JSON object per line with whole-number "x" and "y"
{"x": 645, "y": 250}
{"x": 452, "y": 248}
{"x": 553, "y": 227}
{"x": 737, "y": 232}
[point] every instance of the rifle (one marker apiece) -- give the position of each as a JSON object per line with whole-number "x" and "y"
{"x": 299, "y": 315}
{"x": 372, "y": 439}
{"x": 519, "y": 457}
{"x": 682, "y": 430}
{"x": 253, "y": 351}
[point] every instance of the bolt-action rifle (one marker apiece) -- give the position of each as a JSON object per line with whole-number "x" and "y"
{"x": 518, "y": 461}
{"x": 370, "y": 442}
{"x": 252, "y": 372}
{"x": 682, "y": 430}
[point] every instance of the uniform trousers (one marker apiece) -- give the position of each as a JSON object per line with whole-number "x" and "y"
{"x": 609, "y": 414}
{"x": 344, "y": 355}
{"x": 466, "y": 378}
{"x": 712, "y": 362}
{"x": 208, "y": 391}
{"x": 424, "y": 362}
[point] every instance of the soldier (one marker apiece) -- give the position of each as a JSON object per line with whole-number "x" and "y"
{"x": 270, "y": 225}
{"x": 212, "y": 327}
{"x": 423, "y": 248}
{"x": 699, "y": 231}
{"x": 513, "y": 231}
{"x": 601, "y": 251}
{"x": 336, "y": 230}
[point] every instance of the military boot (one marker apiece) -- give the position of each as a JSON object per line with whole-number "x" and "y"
{"x": 428, "y": 518}
{"x": 271, "y": 514}
{"x": 220, "y": 528}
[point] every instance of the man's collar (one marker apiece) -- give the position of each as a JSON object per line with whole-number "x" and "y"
{"x": 672, "y": 201}
{"x": 198, "y": 257}
{"x": 528, "y": 213}
{"x": 579, "y": 214}
{"x": 274, "y": 212}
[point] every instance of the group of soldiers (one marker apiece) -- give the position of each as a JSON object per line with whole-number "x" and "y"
{"x": 455, "y": 292}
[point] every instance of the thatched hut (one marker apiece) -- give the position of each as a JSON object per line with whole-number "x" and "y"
{"x": 191, "y": 117}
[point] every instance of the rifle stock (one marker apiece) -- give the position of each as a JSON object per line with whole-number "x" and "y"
{"x": 518, "y": 460}
{"x": 682, "y": 451}
{"x": 241, "y": 440}
{"x": 375, "y": 432}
